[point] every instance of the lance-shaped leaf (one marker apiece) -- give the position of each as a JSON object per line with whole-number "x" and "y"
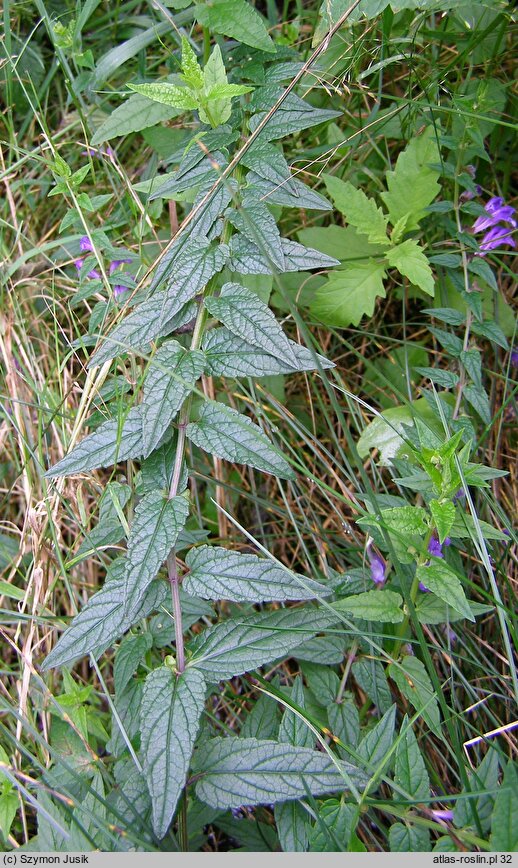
{"x": 170, "y": 716}
{"x": 243, "y": 312}
{"x": 246, "y": 258}
{"x": 216, "y": 573}
{"x": 296, "y": 195}
{"x": 234, "y": 772}
{"x": 230, "y": 356}
{"x": 294, "y": 115}
{"x": 256, "y": 223}
{"x": 102, "y": 620}
{"x": 114, "y": 440}
{"x": 410, "y": 772}
{"x": 242, "y": 644}
{"x": 109, "y": 530}
{"x": 136, "y": 113}
{"x": 414, "y": 682}
{"x": 189, "y": 275}
{"x": 268, "y": 163}
{"x": 167, "y": 94}
{"x": 140, "y": 327}
{"x": 131, "y": 651}
{"x": 442, "y": 580}
{"x": 172, "y": 376}
{"x": 157, "y": 523}
{"x": 228, "y": 434}
{"x": 202, "y": 176}
{"x": 377, "y": 605}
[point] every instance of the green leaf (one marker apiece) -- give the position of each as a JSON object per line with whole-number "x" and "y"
{"x": 219, "y": 574}
{"x": 411, "y": 262}
{"x": 287, "y": 121}
{"x": 492, "y": 332}
{"x": 410, "y": 771}
{"x": 236, "y": 19}
{"x": 263, "y": 719}
{"x": 9, "y": 804}
{"x": 406, "y": 838}
{"x": 292, "y": 729}
{"x": 344, "y": 721}
{"x": 101, "y": 621}
{"x": 443, "y": 515}
{"x": 504, "y": 822}
{"x": 478, "y": 399}
{"x": 378, "y": 605}
{"x": 171, "y": 377}
{"x": 233, "y": 771}
{"x": 472, "y": 810}
{"x": 114, "y": 440}
{"x": 168, "y": 94}
{"x": 335, "y": 824}
{"x": 228, "y": 434}
{"x": 243, "y": 644}
{"x": 432, "y": 610}
{"x": 412, "y": 186}
{"x": 441, "y": 579}
{"x": 414, "y": 683}
{"x": 250, "y": 319}
{"x": 405, "y": 519}
{"x": 371, "y": 677}
{"x": 255, "y": 222}
{"x": 172, "y": 705}
{"x": 349, "y": 294}
{"x": 291, "y": 820}
{"x": 109, "y": 530}
{"x": 359, "y": 210}
{"x": 191, "y": 69}
{"x": 230, "y": 356}
{"x": 344, "y": 243}
{"x": 225, "y": 91}
{"x": 129, "y": 654}
{"x": 214, "y": 76}
{"x": 445, "y": 379}
{"x": 157, "y": 523}
{"x": 376, "y": 744}
{"x": 246, "y": 258}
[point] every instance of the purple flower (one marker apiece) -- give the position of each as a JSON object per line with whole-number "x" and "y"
{"x": 94, "y": 274}
{"x": 497, "y": 213}
{"x": 119, "y": 289}
{"x": 86, "y": 245}
{"x": 116, "y": 262}
{"x": 514, "y": 358}
{"x": 435, "y": 547}
{"x": 97, "y": 152}
{"x": 377, "y": 564}
{"x": 423, "y": 588}
{"x": 443, "y": 815}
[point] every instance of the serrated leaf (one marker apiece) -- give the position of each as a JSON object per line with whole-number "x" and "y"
{"x": 344, "y": 721}
{"x": 243, "y": 644}
{"x": 408, "y": 839}
{"x": 255, "y": 222}
{"x": 405, "y": 519}
{"x": 172, "y": 705}
{"x": 504, "y": 821}
{"x": 411, "y": 262}
{"x": 246, "y": 316}
{"x": 114, "y": 440}
{"x": 129, "y": 654}
{"x": 157, "y": 523}
{"x": 288, "y": 194}
{"x": 230, "y": 356}
{"x": 370, "y": 675}
{"x": 432, "y": 610}
{"x": 263, "y": 719}
{"x": 445, "y": 379}
{"x": 410, "y": 770}
{"x": 171, "y": 377}
{"x": 349, "y": 294}
{"x": 291, "y": 820}
{"x": 441, "y": 579}
{"x": 135, "y": 114}
{"x": 109, "y": 530}
{"x": 168, "y": 94}
{"x": 234, "y": 771}
{"x": 492, "y": 332}
{"x": 334, "y": 827}
{"x": 191, "y": 69}
{"x": 246, "y": 258}
{"x": 376, "y": 744}
{"x": 412, "y": 186}
{"x": 377, "y": 605}
{"x": 414, "y": 683}
{"x": 358, "y": 209}
{"x": 443, "y": 515}
{"x": 475, "y": 810}
{"x": 287, "y": 121}
{"x": 236, "y": 19}
{"x": 219, "y": 574}
{"x": 101, "y": 621}
{"x": 228, "y": 434}
{"x": 292, "y": 729}
{"x": 328, "y": 650}
{"x": 478, "y": 399}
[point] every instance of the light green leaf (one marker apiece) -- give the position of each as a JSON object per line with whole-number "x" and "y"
{"x": 234, "y": 771}
{"x": 411, "y": 262}
{"x": 114, "y": 440}
{"x": 101, "y": 621}
{"x": 443, "y": 515}
{"x": 157, "y": 523}
{"x": 343, "y": 242}
{"x": 408, "y": 839}
{"x": 349, "y": 294}
{"x": 359, "y": 210}
{"x": 228, "y": 434}
{"x": 214, "y": 76}
{"x": 129, "y": 654}
{"x": 227, "y": 91}
{"x": 236, "y": 19}
{"x": 170, "y": 713}
{"x": 410, "y": 771}
{"x": 243, "y": 312}
{"x": 504, "y": 822}
{"x": 9, "y": 804}
{"x": 377, "y": 605}
{"x": 405, "y": 519}
{"x": 412, "y": 186}
{"x": 136, "y": 113}
{"x": 432, "y": 610}
{"x": 171, "y": 377}
{"x": 219, "y": 574}
{"x": 245, "y": 643}
{"x": 230, "y": 356}
{"x": 414, "y": 683}
{"x": 191, "y": 69}
{"x": 441, "y": 579}
{"x": 168, "y": 94}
